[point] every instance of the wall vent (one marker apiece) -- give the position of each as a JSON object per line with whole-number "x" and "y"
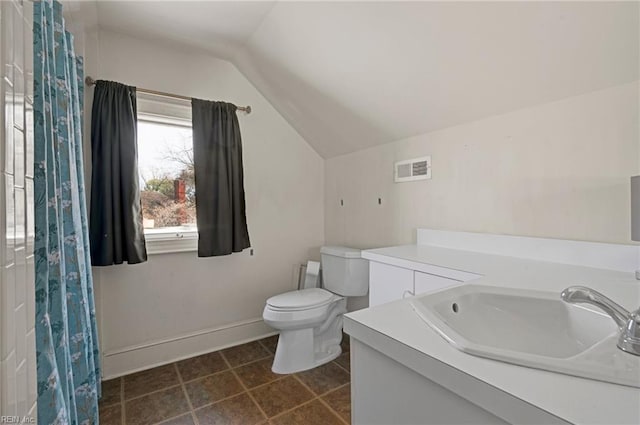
{"x": 413, "y": 169}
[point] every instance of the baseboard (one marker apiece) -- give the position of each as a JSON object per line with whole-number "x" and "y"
{"x": 126, "y": 360}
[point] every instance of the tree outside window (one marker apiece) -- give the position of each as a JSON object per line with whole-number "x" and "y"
{"x": 165, "y": 157}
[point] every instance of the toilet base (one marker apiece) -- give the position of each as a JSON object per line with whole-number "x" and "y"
{"x": 303, "y": 349}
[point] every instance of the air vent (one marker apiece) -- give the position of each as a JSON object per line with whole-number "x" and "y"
{"x": 413, "y": 169}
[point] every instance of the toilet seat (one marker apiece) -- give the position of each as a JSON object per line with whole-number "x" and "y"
{"x": 304, "y": 299}
{"x": 295, "y": 309}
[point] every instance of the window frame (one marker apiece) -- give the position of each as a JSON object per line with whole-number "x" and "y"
{"x": 157, "y": 110}
{"x": 171, "y": 241}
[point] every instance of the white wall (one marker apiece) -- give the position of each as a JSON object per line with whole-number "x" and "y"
{"x": 176, "y": 305}
{"x": 558, "y": 170}
{"x": 17, "y": 283}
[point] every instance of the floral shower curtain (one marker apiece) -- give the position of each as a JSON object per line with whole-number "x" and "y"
{"x": 67, "y": 357}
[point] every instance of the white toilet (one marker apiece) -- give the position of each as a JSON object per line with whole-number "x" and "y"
{"x": 310, "y": 320}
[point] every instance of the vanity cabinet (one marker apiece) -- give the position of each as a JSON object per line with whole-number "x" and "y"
{"x": 425, "y": 282}
{"x": 408, "y": 388}
{"x": 390, "y": 283}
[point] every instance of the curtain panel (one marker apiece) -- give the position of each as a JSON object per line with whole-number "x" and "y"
{"x": 67, "y": 358}
{"x": 219, "y": 179}
{"x": 116, "y": 230}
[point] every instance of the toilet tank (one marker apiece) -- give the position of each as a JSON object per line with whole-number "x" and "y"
{"x": 344, "y": 271}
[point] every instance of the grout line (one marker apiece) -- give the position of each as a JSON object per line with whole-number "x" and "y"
{"x": 342, "y": 367}
{"x": 113, "y": 403}
{"x": 329, "y": 405}
{"x": 265, "y": 346}
{"x": 332, "y": 390}
{"x": 296, "y": 377}
{"x": 186, "y": 395}
{"x": 335, "y": 389}
{"x": 249, "y": 362}
{"x": 123, "y": 416}
{"x": 265, "y": 384}
{"x": 246, "y": 390}
{"x": 218, "y": 401}
{"x": 205, "y": 376}
{"x": 252, "y": 361}
{"x": 313, "y": 392}
{"x": 311, "y": 400}
{"x": 164, "y": 421}
{"x": 228, "y": 368}
{"x": 319, "y": 397}
{"x": 243, "y": 391}
{"x": 332, "y": 411}
{"x": 152, "y": 392}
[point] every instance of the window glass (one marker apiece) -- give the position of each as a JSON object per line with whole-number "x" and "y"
{"x": 167, "y": 190}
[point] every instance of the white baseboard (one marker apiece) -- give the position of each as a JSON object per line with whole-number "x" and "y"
{"x": 126, "y": 360}
{"x": 625, "y": 258}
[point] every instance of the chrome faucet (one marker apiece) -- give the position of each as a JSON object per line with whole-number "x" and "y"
{"x": 628, "y": 323}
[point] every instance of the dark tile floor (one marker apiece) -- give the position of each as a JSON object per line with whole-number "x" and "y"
{"x": 231, "y": 386}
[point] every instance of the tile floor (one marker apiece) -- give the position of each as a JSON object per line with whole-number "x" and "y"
{"x": 231, "y": 386}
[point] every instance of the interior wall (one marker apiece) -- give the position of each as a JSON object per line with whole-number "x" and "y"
{"x": 558, "y": 170}
{"x": 177, "y": 305}
{"x": 18, "y": 392}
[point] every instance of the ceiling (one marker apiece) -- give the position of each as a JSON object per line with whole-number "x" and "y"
{"x": 353, "y": 75}
{"x": 220, "y": 27}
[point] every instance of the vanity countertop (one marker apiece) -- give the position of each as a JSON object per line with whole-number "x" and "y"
{"x": 573, "y": 399}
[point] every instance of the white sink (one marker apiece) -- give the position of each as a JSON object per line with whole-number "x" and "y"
{"x": 529, "y": 328}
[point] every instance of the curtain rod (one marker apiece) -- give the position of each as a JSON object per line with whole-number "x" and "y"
{"x": 90, "y": 81}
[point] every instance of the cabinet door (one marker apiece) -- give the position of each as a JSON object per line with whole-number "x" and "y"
{"x": 425, "y": 282}
{"x": 388, "y": 283}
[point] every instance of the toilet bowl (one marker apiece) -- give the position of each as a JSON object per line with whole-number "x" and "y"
{"x": 310, "y": 319}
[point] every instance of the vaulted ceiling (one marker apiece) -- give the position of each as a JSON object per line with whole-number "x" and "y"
{"x": 352, "y": 75}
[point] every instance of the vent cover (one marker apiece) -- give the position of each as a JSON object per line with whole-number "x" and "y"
{"x": 413, "y": 169}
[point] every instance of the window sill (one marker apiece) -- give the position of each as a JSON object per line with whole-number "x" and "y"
{"x": 171, "y": 242}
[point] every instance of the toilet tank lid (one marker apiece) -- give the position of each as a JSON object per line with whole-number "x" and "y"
{"x": 341, "y": 251}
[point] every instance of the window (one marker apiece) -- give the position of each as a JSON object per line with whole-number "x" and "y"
{"x": 165, "y": 162}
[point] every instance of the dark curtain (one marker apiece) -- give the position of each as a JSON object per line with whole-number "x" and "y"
{"x": 220, "y": 204}
{"x": 116, "y": 231}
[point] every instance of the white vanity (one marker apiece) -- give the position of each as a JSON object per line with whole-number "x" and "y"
{"x": 420, "y": 378}
{"x": 408, "y": 279}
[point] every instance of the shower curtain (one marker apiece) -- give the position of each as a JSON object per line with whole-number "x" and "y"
{"x": 67, "y": 357}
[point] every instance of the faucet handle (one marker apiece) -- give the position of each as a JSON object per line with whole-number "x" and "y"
{"x": 628, "y": 323}
{"x": 633, "y": 324}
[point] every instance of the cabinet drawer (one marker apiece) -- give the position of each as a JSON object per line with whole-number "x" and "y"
{"x": 424, "y": 282}
{"x": 388, "y": 283}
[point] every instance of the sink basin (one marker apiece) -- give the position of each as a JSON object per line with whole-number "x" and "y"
{"x": 529, "y": 328}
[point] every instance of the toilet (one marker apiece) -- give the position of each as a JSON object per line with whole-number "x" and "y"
{"x": 310, "y": 319}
